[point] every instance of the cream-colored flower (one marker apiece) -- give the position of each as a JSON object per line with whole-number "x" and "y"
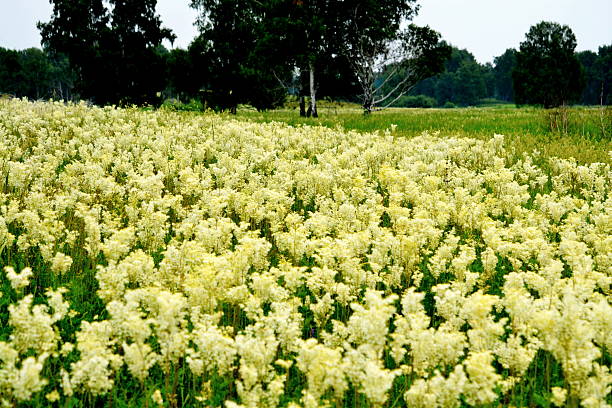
{"x": 53, "y": 396}
{"x": 157, "y": 397}
{"x": 61, "y": 263}
{"x": 558, "y": 396}
{"x": 18, "y": 280}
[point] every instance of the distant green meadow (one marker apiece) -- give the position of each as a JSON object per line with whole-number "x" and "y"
{"x": 584, "y": 133}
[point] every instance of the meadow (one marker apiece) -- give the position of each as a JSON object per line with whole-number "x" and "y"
{"x": 582, "y": 133}
{"x": 410, "y": 258}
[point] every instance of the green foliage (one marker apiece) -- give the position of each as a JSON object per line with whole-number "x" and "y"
{"x": 9, "y": 66}
{"x": 137, "y": 34}
{"x": 470, "y": 85}
{"x": 253, "y": 48}
{"x": 422, "y": 55}
{"x": 504, "y": 65}
{"x": 590, "y": 94}
{"x": 547, "y": 71}
{"x": 79, "y": 29}
{"x": 335, "y": 80}
{"x": 418, "y": 101}
{"x": 259, "y": 52}
{"x": 193, "y": 105}
{"x": 181, "y": 79}
{"x": 604, "y": 69}
{"x": 598, "y": 76}
{"x": 311, "y": 40}
{"x": 241, "y": 66}
{"x": 115, "y": 53}
{"x": 491, "y": 102}
{"x": 374, "y": 42}
{"x": 464, "y": 81}
{"x": 35, "y": 74}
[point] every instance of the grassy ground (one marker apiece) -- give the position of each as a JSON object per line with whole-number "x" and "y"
{"x": 584, "y": 133}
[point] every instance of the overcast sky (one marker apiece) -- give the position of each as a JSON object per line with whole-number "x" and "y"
{"x": 484, "y": 27}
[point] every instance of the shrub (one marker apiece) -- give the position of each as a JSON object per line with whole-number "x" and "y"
{"x": 418, "y": 101}
{"x": 177, "y": 105}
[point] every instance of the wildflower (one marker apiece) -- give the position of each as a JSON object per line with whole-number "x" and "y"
{"x": 61, "y": 263}
{"x": 558, "y": 396}
{"x": 157, "y": 397}
{"x": 18, "y": 280}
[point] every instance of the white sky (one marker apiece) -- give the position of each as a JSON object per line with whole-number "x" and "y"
{"x": 486, "y": 28}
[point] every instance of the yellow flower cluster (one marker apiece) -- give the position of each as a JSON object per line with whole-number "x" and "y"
{"x": 258, "y": 251}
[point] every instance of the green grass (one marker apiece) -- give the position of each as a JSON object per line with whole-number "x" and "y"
{"x": 584, "y": 133}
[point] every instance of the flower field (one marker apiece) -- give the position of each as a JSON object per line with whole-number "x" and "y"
{"x": 169, "y": 259}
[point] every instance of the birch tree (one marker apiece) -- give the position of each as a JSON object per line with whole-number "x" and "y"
{"x": 380, "y": 51}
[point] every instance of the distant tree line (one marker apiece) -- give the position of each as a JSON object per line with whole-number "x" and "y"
{"x": 247, "y": 52}
{"x": 465, "y": 82}
{"x": 35, "y": 74}
{"x": 257, "y": 52}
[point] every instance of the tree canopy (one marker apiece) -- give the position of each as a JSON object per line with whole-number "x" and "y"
{"x": 598, "y": 76}
{"x": 259, "y": 52}
{"x": 35, "y": 74}
{"x": 463, "y": 81}
{"x": 386, "y": 58}
{"x": 547, "y": 70}
{"x": 504, "y": 65}
{"x": 113, "y": 52}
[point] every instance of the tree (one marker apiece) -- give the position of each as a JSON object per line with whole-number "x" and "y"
{"x": 180, "y": 75}
{"x": 113, "y": 53}
{"x": 62, "y": 77}
{"x": 470, "y": 85}
{"x": 336, "y": 79}
{"x": 547, "y": 71}
{"x": 188, "y": 71}
{"x": 243, "y": 68}
{"x": 79, "y": 29}
{"x": 227, "y": 27}
{"x": 504, "y": 65}
{"x": 598, "y": 75}
{"x": 304, "y": 33}
{"x": 603, "y": 68}
{"x": 488, "y": 76}
{"x": 464, "y": 81}
{"x": 591, "y": 92}
{"x": 137, "y": 36}
{"x": 10, "y": 69}
{"x": 271, "y": 62}
{"x": 375, "y": 44}
{"x": 34, "y": 74}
